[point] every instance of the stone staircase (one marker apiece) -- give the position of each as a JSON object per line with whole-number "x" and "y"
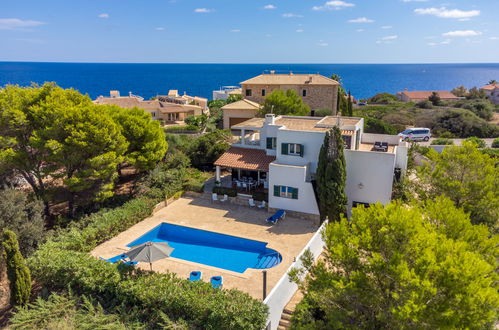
{"x": 285, "y": 322}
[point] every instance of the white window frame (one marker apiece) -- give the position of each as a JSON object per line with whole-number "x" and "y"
{"x": 294, "y": 149}
{"x": 286, "y": 192}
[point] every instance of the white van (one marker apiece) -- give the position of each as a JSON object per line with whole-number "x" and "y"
{"x": 416, "y": 134}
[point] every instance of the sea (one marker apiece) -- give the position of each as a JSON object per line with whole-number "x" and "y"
{"x": 148, "y": 80}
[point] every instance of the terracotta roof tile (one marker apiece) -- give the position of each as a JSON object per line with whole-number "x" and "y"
{"x": 490, "y": 87}
{"x": 290, "y": 79}
{"x": 246, "y": 159}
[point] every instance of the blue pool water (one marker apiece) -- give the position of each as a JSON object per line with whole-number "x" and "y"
{"x": 213, "y": 249}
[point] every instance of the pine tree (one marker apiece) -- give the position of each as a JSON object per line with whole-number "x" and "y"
{"x": 17, "y": 270}
{"x": 331, "y": 177}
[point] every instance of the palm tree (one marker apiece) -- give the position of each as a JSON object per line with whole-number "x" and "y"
{"x": 493, "y": 82}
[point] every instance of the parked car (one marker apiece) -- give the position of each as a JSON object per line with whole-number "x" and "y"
{"x": 416, "y": 134}
{"x": 362, "y": 103}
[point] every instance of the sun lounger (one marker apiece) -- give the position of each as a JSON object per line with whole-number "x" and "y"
{"x": 280, "y": 214}
{"x": 195, "y": 276}
{"x": 118, "y": 258}
{"x": 217, "y": 282}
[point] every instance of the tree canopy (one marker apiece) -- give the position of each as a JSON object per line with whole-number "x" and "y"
{"x": 402, "y": 267}
{"x": 287, "y": 102}
{"x": 467, "y": 176}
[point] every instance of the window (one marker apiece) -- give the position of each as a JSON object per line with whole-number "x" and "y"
{"x": 271, "y": 143}
{"x": 248, "y": 92}
{"x": 304, "y": 93}
{"x": 286, "y": 192}
{"x": 347, "y": 139}
{"x": 294, "y": 149}
{"x": 263, "y": 92}
{"x": 153, "y": 114}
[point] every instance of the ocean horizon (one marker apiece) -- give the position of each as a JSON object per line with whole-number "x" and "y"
{"x": 200, "y": 79}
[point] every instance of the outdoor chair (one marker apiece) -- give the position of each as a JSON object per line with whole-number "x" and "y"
{"x": 225, "y": 198}
{"x": 214, "y": 197}
{"x": 280, "y": 214}
{"x": 384, "y": 145}
{"x": 262, "y": 205}
{"x": 245, "y": 186}
{"x": 217, "y": 282}
{"x": 195, "y": 276}
{"x": 251, "y": 202}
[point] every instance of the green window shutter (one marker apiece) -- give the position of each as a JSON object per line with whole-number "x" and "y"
{"x": 294, "y": 194}
{"x": 284, "y": 148}
{"x": 277, "y": 191}
{"x": 302, "y": 150}
{"x": 269, "y": 143}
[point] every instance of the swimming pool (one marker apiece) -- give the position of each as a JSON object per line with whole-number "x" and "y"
{"x": 213, "y": 249}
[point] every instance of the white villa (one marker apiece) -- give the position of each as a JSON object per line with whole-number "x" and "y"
{"x": 281, "y": 153}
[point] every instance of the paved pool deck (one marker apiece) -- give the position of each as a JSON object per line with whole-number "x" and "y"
{"x": 288, "y": 237}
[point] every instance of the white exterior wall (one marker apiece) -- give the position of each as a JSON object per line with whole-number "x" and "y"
{"x": 292, "y": 176}
{"x": 312, "y": 142}
{"x": 374, "y": 171}
{"x": 401, "y": 153}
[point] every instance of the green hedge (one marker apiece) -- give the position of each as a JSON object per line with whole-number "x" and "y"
{"x": 231, "y": 192}
{"x": 64, "y": 262}
{"x": 441, "y": 142}
{"x": 182, "y": 129}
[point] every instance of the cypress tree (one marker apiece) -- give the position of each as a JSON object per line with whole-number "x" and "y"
{"x": 349, "y": 105}
{"x": 17, "y": 270}
{"x": 331, "y": 177}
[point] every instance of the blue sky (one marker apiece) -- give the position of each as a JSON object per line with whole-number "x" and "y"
{"x": 238, "y": 31}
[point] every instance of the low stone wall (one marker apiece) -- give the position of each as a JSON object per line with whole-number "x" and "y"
{"x": 165, "y": 203}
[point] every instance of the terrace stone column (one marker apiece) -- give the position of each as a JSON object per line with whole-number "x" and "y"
{"x": 217, "y": 175}
{"x": 243, "y": 136}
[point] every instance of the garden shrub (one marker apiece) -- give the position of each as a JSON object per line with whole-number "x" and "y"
{"x": 479, "y": 142}
{"x": 495, "y": 143}
{"x": 383, "y": 98}
{"x": 425, "y": 104}
{"x": 231, "y": 192}
{"x": 441, "y": 142}
{"x": 17, "y": 271}
{"x": 323, "y": 112}
{"x": 377, "y": 126}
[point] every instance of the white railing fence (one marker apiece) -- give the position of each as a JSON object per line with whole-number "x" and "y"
{"x": 284, "y": 290}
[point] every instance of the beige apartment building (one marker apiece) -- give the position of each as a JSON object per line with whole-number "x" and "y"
{"x": 317, "y": 91}
{"x": 237, "y": 112}
{"x": 167, "y": 109}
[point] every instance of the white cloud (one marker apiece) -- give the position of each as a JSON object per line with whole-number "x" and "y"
{"x": 360, "y": 30}
{"x": 235, "y": 30}
{"x": 446, "y": 42}
{"x": 447, "y": 13}
{"x": 16, "y": 23}
{"x": 389, "y": 38}
{"x": 203, "y": 10}
{"x": 159, "y": 28}
{"x": 269, "y": 7}
{"x": 361, "y": 20}
{"x": 299, "y": 30}
{"x": 291, "y": 15}
{"x": 494, "y": 38}
{"x": 333, "y": 5}
{"x": 103, "y": 15}
{"x": 462, "y": 33}
{"x": 432, "y": 44}
{"x": 322, "y": 43}
{"x": 385, "y": 27}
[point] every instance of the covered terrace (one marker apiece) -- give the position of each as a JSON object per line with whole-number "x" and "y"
{"x": 248, "y": 167}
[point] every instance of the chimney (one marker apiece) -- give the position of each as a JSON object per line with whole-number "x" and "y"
{"x": 270, "y": 119}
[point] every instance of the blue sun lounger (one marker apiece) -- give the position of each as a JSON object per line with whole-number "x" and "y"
{"x": 195, "y": 276}
{"x": 280, "y": 214}
{"x": 120, "y": 257}
{"x": 217, "y": 282}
